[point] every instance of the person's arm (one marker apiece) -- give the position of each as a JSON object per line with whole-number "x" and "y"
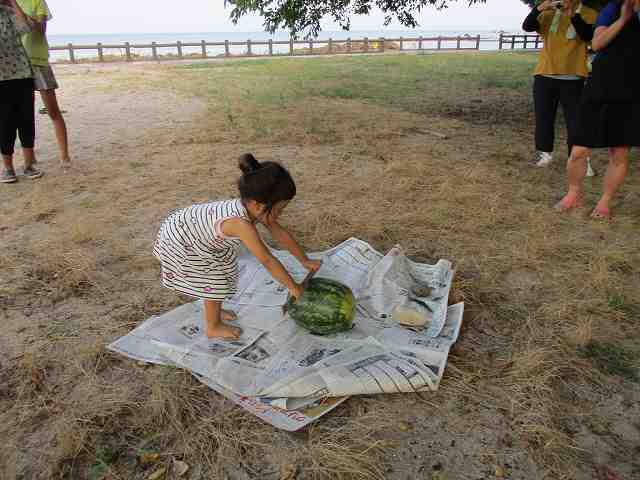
{"x": 245, "y": 231}
{"x": 605, "y": 35}
{"x": 284, "y": 238}
{"x": 531, "y": 23}
{"x": 583, "y": 29}
{"x": 39, "y": 24}
{"x": 40, "y": 16}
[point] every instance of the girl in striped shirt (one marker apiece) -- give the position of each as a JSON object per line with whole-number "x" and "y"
{"x": 198, "y": 246}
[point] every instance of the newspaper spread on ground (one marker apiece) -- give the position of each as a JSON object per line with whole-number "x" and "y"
{"x": 289, "y": 377}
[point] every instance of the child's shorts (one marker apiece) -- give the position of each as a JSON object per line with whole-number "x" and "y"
{"x": 44, "y": 78}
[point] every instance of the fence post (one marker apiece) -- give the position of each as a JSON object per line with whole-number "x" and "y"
{"x": 154, "y": 51}
{"x": 179, "y": 45}
{"x": 401, "y": 44}
{"x": 204, "y": 49}
{"x": 382, "y": 44}
{"x": 290, "y": 46}
{"x": 127, "y": 51}
{"x": 513, "y": 42}
{"x": 478, "y": 42}
{"x": 72, "y": 57}
{"x": 348, "y": 45}
{"x": 366, "y": 44}
{"x": 439, "y": 42}
{"x": 226, "y": 48}
{"x": 500, "y": 42}
{"x": 271, "y": 47}
{"x": 310, "y": 47}
{"x": 537, "y": 41}
{"x": 330, "y": 46}
{"x": 100, "y": 53}
{"x": 458, "y": 43}
{"x": 248, "y": 47}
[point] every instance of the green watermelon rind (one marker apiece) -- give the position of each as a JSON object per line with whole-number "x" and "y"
{"x": 310, "y": 312}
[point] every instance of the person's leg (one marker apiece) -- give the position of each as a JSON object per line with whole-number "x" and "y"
{"x": 570, "y": 95}
{"x": 8, "y": 127}
{"x": 51, "y": 104}
{"x": 576, "y": 170}
{"x": 27, "y": 127}
{"x": 613, "y": 179}
{"x": 214, "y": 326}
{"x": 545, "y": 99}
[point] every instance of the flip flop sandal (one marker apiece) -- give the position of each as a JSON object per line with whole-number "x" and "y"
{"x": 44, "y": 111}
{"x": 601, "y": 214}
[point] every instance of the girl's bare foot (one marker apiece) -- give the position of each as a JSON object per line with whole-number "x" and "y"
{"x": 569, "y": 202}
{"x": 224, "y": 331}
{"x": 228, "y": 316}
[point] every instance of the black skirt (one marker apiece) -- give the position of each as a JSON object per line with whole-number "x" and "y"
{"x": 609, "y": 112}
{"x": 602, "y": 125}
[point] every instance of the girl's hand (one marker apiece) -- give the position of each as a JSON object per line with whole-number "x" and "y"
{"x": 312, "y": 265}
{"x": 296, "y": 291}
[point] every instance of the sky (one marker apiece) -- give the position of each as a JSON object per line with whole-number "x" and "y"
{"x": 168, "y": 16}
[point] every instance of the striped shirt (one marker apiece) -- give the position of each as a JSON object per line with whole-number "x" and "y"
{"x": 195, "y": 256}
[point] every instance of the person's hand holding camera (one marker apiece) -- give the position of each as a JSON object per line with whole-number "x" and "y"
{"x": 546, "y": 5}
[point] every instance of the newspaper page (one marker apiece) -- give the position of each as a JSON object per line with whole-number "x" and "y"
{"x": 283, "y": 374}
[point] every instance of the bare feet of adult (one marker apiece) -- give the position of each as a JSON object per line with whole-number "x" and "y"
{"x": 224, "y": 332}
{"x": 570, "y": 201}
{"x": 601, "y": 213}
{"x": 228, "y": 316}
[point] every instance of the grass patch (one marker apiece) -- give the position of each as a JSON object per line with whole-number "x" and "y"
{"x": 485, "y": 84}
{"x": 612, "y": 359}
{"x": 630, "y": 310}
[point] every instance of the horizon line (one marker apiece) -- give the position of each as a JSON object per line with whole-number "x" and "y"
{"x": 286, "y": 32}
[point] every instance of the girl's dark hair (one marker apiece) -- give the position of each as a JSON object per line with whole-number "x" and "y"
{"x": 265, "y": 182}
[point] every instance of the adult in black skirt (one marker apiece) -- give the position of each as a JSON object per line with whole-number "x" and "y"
{"x": 609, "y": 114}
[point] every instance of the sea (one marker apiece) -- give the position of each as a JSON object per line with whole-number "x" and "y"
{"x": 116, "y": 41}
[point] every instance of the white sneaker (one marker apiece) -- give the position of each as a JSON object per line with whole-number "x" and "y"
{"x": 590, "y": 171}
{"x": 543, "y": 159}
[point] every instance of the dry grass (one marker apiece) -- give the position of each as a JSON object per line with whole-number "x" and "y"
{"x": 541, "y": 289}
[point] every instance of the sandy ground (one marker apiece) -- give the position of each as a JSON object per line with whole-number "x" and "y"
{"x": 119, "y": 136}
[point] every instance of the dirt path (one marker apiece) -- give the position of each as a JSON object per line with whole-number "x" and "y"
{"x": 79, "y": 273}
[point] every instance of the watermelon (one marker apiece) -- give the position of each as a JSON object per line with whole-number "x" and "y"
{"x": 326, "y": 307}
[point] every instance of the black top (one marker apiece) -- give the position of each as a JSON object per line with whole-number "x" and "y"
{"x": 616, "y": 69}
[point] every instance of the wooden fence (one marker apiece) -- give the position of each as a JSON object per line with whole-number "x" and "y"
{"x": 270, "y": 48}
{"x": 521, "y": 42}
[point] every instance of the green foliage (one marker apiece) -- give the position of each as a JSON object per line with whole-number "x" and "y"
{"x": 300, "y": 16}
{"x": 304, "y": 16}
